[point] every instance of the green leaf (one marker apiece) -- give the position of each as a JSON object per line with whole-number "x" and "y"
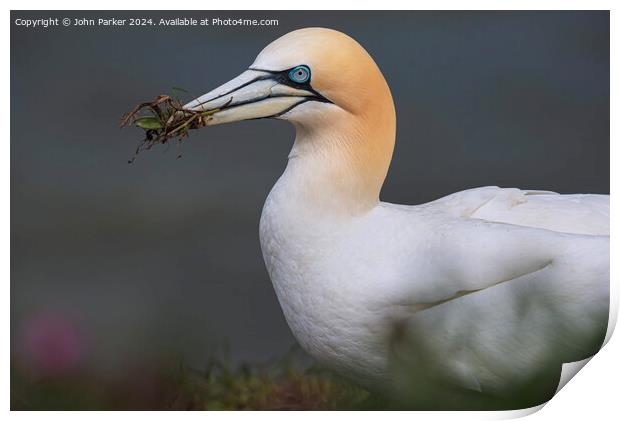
{"x": 177, "y": 88}
{"x": 148, "y": 123}
{"x": 177, "y": 92}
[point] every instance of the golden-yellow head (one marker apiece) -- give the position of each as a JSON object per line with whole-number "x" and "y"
{"x": 331, "y": 89}
{"x": 304, "y": 66}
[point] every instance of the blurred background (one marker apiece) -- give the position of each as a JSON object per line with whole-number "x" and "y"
{"x": 116, "y": 268}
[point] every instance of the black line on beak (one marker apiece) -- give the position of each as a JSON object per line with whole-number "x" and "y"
{"x": 249, "y": 82}
{"x": 280, "y": 77}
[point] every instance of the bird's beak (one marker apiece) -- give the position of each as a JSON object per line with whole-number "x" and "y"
{"x": 251, "y": 95}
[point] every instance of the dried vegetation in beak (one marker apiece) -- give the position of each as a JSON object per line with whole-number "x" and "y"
{"x": 162, "y": 120}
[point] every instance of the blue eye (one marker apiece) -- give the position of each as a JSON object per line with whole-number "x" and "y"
{"x": 299, "y": 74}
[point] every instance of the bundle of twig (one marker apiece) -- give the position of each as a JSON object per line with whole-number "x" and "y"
{"x": 164, "y": 119}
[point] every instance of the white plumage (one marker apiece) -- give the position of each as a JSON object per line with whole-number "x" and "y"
{"x": 474, "y": 300}
{"x": 459, "y": 302}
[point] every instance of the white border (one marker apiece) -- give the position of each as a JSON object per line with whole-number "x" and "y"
{"x": 592, "y": 393}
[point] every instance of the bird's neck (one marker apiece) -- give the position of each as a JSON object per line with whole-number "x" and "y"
{"x": 338, "y": 165}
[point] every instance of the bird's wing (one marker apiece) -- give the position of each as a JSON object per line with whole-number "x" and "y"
{"x": 500, "y": 308}
{"x": 574, "y": 213}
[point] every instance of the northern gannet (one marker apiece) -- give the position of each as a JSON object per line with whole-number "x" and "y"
{"x": 473, "y": 300}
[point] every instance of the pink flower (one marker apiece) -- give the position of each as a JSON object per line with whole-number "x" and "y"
{"x": 51, "y": 344}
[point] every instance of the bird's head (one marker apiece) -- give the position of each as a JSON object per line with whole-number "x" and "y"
{"x": 299, "y": 77}
{"x": 329, "y": 87}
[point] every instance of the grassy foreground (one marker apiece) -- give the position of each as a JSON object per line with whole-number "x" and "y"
{"x": 277, "y": 387}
